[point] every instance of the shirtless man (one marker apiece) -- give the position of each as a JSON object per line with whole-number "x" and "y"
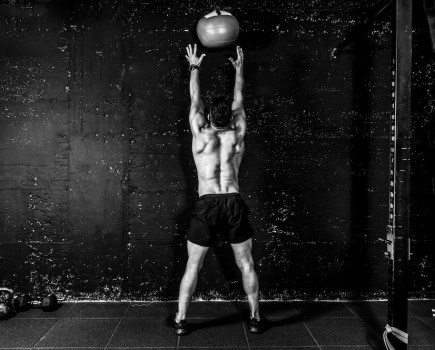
{"x": 217, "y": 147}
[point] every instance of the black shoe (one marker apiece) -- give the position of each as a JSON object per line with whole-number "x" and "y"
{"x": 179, "y": 328}
{"x": 255, "y": 326}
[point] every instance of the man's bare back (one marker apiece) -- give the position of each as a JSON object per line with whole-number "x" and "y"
{"x": 218, "y": 154}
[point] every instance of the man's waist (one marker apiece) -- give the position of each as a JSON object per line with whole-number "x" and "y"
{"x": 227, "y": 194}
{"x": 212, "y": 187}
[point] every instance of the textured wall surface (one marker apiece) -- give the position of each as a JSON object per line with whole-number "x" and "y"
{"x": 96, "y": 173}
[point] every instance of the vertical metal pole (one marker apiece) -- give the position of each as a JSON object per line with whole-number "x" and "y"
{"x": 400, "y": 171}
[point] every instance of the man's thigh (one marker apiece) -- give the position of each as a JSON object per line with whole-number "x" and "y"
{"x": 196, "y": 252}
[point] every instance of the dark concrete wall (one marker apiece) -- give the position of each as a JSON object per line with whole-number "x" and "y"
{"x": 97, "y": 177}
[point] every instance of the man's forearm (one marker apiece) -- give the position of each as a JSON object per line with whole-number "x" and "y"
{"x": 239, "y": 85}
{"x": 194, "y": 85}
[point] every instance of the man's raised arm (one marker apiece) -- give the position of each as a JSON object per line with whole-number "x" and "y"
{"x": 239, "y": 86}
{"x": 196, "y": 115}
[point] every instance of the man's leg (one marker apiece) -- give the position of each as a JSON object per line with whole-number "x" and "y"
{"x": 188, "y": 283}
{"x": 245, "y": 262}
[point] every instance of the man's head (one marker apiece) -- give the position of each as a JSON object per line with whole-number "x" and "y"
{"x": 220, "y": 112}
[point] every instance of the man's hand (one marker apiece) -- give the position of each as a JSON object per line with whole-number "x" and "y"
{"x": 239, "y": 62}
{"x": 191, "y": 56}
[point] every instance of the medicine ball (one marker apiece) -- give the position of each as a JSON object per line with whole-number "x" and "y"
{"x": 217, "y": 29}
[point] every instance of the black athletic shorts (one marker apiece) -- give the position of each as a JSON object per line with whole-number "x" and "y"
{"x": 219, "y": 213}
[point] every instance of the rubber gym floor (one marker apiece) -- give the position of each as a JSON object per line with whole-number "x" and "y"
{"x": 217, "y": 325}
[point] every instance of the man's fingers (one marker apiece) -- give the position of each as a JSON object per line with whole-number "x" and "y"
{"x": 187, "y": 57}
{"x": 194, "y": 50}
{"x": 200, "y": 59}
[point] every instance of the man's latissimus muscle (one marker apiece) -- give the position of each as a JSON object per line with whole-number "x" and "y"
{"x": 218, "y": 155}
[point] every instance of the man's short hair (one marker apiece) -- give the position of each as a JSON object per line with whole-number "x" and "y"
{"x": 220, "y": 112}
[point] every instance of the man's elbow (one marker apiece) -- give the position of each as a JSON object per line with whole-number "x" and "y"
{"x": 237, "y": 104}
{"x": 195, "y": 101}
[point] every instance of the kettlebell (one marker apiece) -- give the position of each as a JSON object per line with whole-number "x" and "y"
{"x": 23, "y": 302}
{"x": 6, "y": 305}
{"x": 48, "y": 303}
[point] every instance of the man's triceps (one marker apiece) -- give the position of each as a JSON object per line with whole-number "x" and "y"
{"x": 239, "y": 118}
{"x": 196, "y": 119}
